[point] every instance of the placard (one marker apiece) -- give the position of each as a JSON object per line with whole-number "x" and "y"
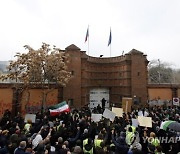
{"x": 145, "y": 121}
{"x": 31, "y": 117}
{"x": 135, "y": 122}
{"x": 96, "y": 117}
{"x": 118, "y": 111}
{"x": 109, "y": 114}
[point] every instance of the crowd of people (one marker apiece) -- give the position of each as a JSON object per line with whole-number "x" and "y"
{"x": 76, "y": 133}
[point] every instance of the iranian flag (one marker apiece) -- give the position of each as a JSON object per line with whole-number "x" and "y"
{"x": 59, "y": 108}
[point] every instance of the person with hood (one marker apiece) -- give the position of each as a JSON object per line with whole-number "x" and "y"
{"x": 120, "y": 143}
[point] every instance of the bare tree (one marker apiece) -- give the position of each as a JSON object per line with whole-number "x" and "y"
{"x": 160, "y": 72}
{"x": 39, "y": 68}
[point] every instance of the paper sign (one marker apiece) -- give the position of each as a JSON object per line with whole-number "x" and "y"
{"x": 109, "y": 114}
{"x": 96, "y": 117}
{"x": 31, "y": 117}
{"x": 135, "y": 122}
{"x": 118, "y": 111}
{"x": 145, "y": 121}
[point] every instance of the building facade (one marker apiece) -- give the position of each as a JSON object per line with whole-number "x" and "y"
{"x": 95, "y": 78}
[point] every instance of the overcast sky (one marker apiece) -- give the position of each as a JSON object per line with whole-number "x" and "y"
{"x": 152, "y": 27}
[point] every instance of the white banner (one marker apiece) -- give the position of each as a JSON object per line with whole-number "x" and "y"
{"x": 109, "y": 114}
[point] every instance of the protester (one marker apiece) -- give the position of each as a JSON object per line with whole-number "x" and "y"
{"x": 76, "y": 133}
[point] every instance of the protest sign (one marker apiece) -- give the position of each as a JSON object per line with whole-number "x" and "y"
{"x": 96, "y": 117}
{"x": 109, "y": 114}
{"x": 145, "y": 121}
{"x": 31, "y": 117}
{"x": 118, "y": 111}
{"x": 135, "y": 122}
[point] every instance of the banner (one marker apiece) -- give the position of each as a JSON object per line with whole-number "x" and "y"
{"x": 96, "y": 117}
{"x": 145, "y": 121}
{"x": 31, "y": 117}
{"x": 109, "y": 114}
{"x": 118, "y": 111}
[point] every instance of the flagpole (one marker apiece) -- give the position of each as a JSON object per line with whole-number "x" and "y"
{"x": 88, "y": 40}
{"x": 110, "y": 50}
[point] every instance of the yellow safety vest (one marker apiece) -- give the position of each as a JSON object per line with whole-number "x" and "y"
{"x": 133, "y": 129}
{"x": 84, "y": 150}
{"x": 155, "y": 142}
{"x": 97, "y": 143}
{"x": 89, "y": 152}
{"x": 85, "y": 142}
{"x": 129, "y": 137}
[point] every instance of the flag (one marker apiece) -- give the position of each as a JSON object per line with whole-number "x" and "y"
{"x": 110, "y": 38}
{"x": 59, "y": 108}
{"x": 87, "y": 34}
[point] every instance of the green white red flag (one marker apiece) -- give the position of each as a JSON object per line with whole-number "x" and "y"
{"x": 59, "y": 108}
